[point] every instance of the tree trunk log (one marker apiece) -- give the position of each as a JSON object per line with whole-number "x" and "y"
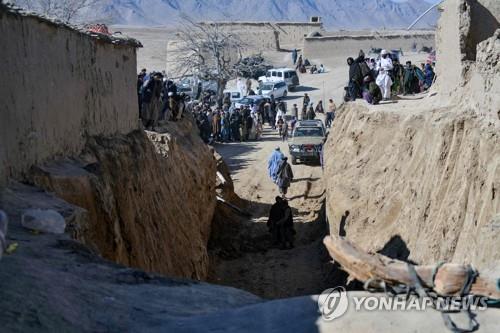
{"x": 448, "y": 281}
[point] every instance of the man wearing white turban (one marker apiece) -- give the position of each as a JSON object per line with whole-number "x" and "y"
{"x": 384, "y": 80}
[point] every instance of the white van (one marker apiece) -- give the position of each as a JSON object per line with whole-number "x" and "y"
{"x": 276, "y": 89}
{"x": 234, "y": 95}
{"x": 282, "y": 74}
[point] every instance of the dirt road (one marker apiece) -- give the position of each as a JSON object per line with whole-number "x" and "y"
{"x": 261, "y": 268}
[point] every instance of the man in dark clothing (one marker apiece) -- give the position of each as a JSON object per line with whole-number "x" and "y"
{"x": 299, "y": 62}
{"x": 305, "y": 104}
{"x": 429, "y": 76}
{"x": 310, "y": 115}
{"x": 285, "y": 176}
{"x": 409, "y": 78}
{"x": 275, "y": 214}
{"x": 280, "y": 224}
{"x": 249, "y": 124}
{"x": 285, "y": 226}
{"x": 355, "y": 78}
{"x": 235, "y": 125}
{"x": 371, "y": 92}
{"x": 398, "y": 77}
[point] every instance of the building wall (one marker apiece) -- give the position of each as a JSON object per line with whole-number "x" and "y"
{"x": 342, "y": 45}
{"x": 58, "y": 87}
{"x": 294, "y": 33}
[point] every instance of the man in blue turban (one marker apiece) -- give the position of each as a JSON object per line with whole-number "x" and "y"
{"x": 274, "y": 163}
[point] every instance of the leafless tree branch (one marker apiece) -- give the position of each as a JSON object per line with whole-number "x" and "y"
{"x": 208, "y": 51}
{"x": 65, "y": 10}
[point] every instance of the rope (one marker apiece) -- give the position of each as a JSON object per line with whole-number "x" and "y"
{"x": 434, "y": 273}
{"x": 416, "y": 288}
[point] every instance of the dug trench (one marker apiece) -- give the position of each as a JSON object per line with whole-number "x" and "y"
{"x": 147, "y": 200}
{"x": 241, "y": 250}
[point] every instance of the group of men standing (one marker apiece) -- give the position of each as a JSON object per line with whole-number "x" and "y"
{"x": 158, "y": 99}
{"x": 377, "y": 80}
{"x": 228, "y": 125}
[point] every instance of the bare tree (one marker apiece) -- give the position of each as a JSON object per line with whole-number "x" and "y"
{"x": 207, "y": 51}
{"x": 65, "y": 10}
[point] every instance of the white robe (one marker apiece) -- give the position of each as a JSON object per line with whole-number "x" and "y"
{"x": 384, "y": 80}
{"x": 278, "y": 115}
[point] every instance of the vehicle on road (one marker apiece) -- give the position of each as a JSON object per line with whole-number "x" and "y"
{"x": 186, "y": 89}
{"x": 307, "y": 141}
{"x": 282, "y": 74}
{"x": 277, "y": 89}
{"x": 234, "y": 95}
{"x": 313, "y": 123}
{"x": 248, "y": 100}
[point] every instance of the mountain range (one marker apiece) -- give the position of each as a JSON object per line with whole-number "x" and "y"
{"x": 335, "y": 14}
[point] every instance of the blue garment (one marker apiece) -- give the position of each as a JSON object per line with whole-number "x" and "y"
{"x": 429, "y": 75}
{"x": 273, "y": 164}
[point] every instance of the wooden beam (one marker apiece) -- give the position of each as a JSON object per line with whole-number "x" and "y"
{"x": 363, "y": 266}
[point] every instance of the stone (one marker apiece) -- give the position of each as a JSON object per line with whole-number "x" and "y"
{"x": 48, "y": 221}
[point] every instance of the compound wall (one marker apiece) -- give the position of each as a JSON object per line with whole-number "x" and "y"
{"x": 350, "y": 44}
{"x": 58, "y": 87}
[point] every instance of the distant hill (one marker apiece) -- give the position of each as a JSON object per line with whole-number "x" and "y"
{"x": 336, "y": 14}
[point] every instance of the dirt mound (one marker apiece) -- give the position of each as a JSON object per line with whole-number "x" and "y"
{"x": 150, "y": 198}
{"x": 423, "y": 187}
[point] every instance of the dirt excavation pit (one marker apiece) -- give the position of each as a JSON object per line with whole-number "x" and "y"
{"x": 242, "y": 253}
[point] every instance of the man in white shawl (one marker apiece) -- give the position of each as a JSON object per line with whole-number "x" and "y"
{"x": 384, "y": 80}
{"x": 273, "y": 164}
{"x": 278, "y": 115}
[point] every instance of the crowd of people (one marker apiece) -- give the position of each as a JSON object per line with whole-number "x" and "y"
{"x": 302, "y": 64}
{"x": 158, "y": 99}
{"x": 378, "y": 80}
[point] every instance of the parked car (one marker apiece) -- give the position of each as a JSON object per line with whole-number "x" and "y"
{"x": 277, "y": 89}
{"x": 307, "y": 140}
{"x": 282, "y": 74}
{"x": 187, "y": 90}
{"x": 234, "y": 95}
{"x": 248, "y": 100}
{"x": 313, "y": 123}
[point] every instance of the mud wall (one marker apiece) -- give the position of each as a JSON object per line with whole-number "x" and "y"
{"x": 347, "y": 45}
{"x": 69, "y": 125}
{"x": 59, "y": 86}
{"x": 150, "y": 197}
{"x": 262, "y": 35}
{"x": 468, "y": 53}
{"x": 423, "y": 187}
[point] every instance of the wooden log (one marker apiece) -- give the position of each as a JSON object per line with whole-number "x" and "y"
{"x": 363, "y": 266}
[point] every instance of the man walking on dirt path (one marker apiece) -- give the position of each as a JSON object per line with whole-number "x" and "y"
{"x": 273, "y": 164}
{"x": 280, "y": 224}
{"x": 285, "y": 176}
{"x": 275, "y": 214}
{"x": 284, "y": 227}
{"x": 305, "y": 104}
